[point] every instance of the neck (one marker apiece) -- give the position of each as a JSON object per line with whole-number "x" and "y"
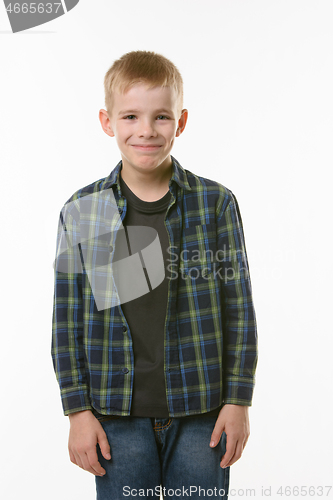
{"x": 148, "y": 186}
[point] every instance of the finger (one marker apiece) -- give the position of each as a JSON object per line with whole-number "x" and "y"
{"x": 230, "y": 451}
{"x": 72, "y": 458}
{"x": 104, "y": 445}
{"x": 87, "y": 467}
{"x": 237, "y": 454}
{"x": 78, "y": 460}
{"x": 216, "y": 434}
{"x": 94, "y": 464}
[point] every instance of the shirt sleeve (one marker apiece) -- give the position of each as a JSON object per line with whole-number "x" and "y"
{"x": 67, "y": 324}
{"x": 240, "y": 350}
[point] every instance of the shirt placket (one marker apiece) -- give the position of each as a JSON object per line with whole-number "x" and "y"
{"x": 172, "y": 372}
{"x": 127, "y": 356}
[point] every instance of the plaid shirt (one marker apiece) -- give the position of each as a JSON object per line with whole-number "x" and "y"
{"x": 210, "y": 336}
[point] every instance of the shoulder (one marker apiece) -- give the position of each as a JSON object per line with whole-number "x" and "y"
{"x": 215, "y": 191}
{"x": 72, "y": 205}
{"x": 92, "y": 188}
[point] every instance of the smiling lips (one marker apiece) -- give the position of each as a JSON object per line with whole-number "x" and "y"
{"x": 146, "y": 147}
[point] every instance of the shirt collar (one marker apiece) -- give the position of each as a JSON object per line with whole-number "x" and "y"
{"x": 178, "y": 175}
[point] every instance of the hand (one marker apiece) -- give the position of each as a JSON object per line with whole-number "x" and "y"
{"x": 85, "y": 432}
{"x": 234, "y": 421}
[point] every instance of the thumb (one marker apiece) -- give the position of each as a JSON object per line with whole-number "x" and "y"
{"x": 216, "y": 434}
{"x": 104, "y": 445}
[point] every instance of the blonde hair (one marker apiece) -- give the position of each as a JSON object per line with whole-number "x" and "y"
{"x": 141, "y": 67}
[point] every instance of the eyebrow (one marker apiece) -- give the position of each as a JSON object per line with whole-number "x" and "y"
{"x": 135, "y": 111}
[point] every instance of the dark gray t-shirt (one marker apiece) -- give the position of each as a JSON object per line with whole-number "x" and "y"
{"x": 146, "y": 315}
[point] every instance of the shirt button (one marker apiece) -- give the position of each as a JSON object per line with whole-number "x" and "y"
{"x": 125, "y": 370}
{"x": 124, "y": 328}
{"x": 111, "y": 248}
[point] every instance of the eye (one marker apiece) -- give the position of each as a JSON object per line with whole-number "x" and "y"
{"x": 163, "y": 117}
{"x": 130, "y": 117}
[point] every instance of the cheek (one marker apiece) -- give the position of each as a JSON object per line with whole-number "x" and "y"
{"x": 171, "y": 133}
{"x": 123, "y": 132}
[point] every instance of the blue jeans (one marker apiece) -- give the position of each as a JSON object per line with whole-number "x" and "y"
{"x": 153, "y": 455}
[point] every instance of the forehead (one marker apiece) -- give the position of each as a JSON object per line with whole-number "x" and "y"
{"x": 140, "y": 96}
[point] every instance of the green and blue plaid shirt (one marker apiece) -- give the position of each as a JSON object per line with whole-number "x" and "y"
{"x": 210, "y": 335}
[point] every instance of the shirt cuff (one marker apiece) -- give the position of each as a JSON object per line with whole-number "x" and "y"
{"x": 238, "y": 390}
{"x": 75, "y": 399}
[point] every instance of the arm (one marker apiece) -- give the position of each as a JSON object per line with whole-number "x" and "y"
{"x": 67, "y": 325}
{"x": 68, "y": 354}
{"x": 239, "y": 335}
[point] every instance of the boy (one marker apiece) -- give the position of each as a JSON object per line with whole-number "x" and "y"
{"x": 154, "y": 334}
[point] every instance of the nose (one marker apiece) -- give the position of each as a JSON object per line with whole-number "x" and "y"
{"x": 146, "y": 129}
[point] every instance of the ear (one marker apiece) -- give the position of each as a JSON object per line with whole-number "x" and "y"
{"x": 105, "y": 122}
{"x": 182, "y": 122}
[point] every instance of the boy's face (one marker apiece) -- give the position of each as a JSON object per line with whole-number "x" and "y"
{"x": 145, "y": 123}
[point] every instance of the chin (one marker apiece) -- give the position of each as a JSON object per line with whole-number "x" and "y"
{"x": 148, "y": 162}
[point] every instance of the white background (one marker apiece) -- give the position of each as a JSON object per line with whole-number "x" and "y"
{"x": 258, "y": 82}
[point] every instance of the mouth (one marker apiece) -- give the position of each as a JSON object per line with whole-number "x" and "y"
{"x": 147, "y": 147}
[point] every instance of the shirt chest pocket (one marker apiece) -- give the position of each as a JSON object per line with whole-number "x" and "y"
{"x": 198, "y": 250}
